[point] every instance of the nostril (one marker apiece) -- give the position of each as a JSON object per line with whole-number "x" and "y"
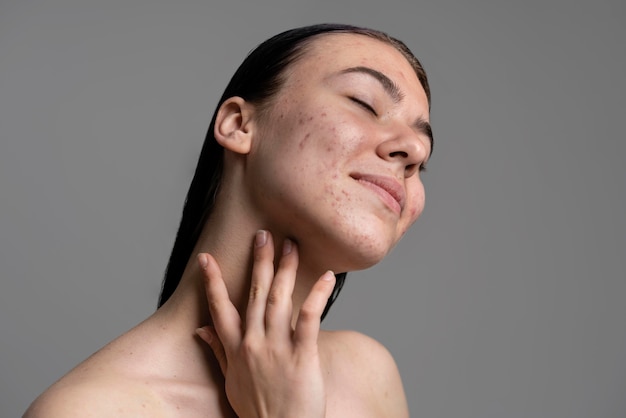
{"x": 409, "y": 170}
{"x": 399, "y": 154}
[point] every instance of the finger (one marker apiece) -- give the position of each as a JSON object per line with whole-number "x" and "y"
{"x": 278, "y": 312}
{"x": 225, "y": 317}
{"x": 261, "y": 281}
{"x": 209, "y": 336}
{"x": 308, "y": 323}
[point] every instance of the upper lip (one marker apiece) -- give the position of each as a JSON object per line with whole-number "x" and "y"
{"x": 389, "y": 184}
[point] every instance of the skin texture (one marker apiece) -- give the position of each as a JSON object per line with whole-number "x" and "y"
{"x": 321, "y": 138}
{"x": 297, "y": 171}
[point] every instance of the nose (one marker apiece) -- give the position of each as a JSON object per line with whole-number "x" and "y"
{"x": 404, "y": 148}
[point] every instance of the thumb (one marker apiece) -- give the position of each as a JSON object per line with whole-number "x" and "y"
{"x": 209, "y": 336}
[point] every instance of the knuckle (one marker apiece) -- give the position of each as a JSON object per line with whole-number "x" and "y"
{"x": 249, "y": 348}
{"x": 214, "y": 305}
{"x": 274, "y": 298}
{"x": 308, "y": 312}
{"x": 217, "y": 305}
{"x": 255, "y": 292}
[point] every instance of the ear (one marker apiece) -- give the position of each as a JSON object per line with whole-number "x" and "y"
{"x": 234, "y": 125}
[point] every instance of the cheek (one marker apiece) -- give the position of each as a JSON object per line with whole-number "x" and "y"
{"x": 328, "y": 141}
{"x": 418, "y": 207}
{"x": 341, "y": 144}
{"x": 415, "y": 206}
{"x": 340, "y": 198}
{"x": 337, "y": 147}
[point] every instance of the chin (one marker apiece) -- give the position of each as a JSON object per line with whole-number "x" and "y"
{"x": 347, "y": 239}
{"x": 359, "y": 249}
{"x": 364, "y": 257}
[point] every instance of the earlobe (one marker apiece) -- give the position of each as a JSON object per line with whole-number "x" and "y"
{"x": 234, "y": 125}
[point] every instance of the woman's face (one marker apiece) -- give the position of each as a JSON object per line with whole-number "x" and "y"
{"x": 335, "y": 163}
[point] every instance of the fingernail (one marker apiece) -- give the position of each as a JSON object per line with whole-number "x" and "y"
{"x": 202, "y": 259}
{"x": 328, "y": 276}
{"x": 287, "y": 246}
{"x": 261, "y": 238}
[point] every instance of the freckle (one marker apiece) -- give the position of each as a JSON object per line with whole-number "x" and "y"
{"x": 310, "y": 118}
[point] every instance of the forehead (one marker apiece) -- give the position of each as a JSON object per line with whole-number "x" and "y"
{"x": 350, "y": 46}
{"x": 331, "y": 53}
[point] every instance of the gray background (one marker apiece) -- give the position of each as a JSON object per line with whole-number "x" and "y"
{"x": 505, "y": 300}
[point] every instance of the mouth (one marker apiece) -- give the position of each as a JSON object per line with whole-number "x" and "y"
{"x": 387, "y": 188}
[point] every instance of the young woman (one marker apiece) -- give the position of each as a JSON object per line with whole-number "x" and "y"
{"x": 311, "y": 166}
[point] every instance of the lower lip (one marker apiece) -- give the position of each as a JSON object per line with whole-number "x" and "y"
{"x": 384, "y": 195}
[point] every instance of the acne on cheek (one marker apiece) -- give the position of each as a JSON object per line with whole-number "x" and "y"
{"x": 301, "y": 120}
{"x": 337, "y": 198}
{"x": 303, "y": 141}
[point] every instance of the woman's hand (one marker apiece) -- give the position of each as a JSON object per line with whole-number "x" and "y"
{"x": 270, "y": 368}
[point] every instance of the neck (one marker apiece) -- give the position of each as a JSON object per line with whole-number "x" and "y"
{"x": 228, "y": 236}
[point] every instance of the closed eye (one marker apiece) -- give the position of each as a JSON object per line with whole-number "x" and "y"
{"x": 364, "y": 105}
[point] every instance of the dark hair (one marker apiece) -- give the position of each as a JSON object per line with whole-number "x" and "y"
{"x": 257, "y": 80}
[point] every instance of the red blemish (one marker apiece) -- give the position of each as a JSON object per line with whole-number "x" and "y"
{"x": 306, "y": 137}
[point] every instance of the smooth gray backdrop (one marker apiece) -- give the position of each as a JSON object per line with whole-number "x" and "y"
{"x": 507, "y": 299}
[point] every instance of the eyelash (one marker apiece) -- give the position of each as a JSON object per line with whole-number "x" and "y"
{"x": 364, "y": 105}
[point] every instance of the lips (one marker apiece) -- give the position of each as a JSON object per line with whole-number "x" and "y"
{"x": 390, "y": 191}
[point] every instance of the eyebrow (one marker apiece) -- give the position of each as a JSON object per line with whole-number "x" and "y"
{"x": 391, "y": 88}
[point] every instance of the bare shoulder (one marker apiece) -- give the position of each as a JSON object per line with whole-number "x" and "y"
{"x": 94, "y": 398}
{"x": 366, "y": 365}
{"x": 111, "y": 382}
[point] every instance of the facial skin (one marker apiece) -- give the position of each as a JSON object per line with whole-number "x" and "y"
{"x": 335, "y": 161}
